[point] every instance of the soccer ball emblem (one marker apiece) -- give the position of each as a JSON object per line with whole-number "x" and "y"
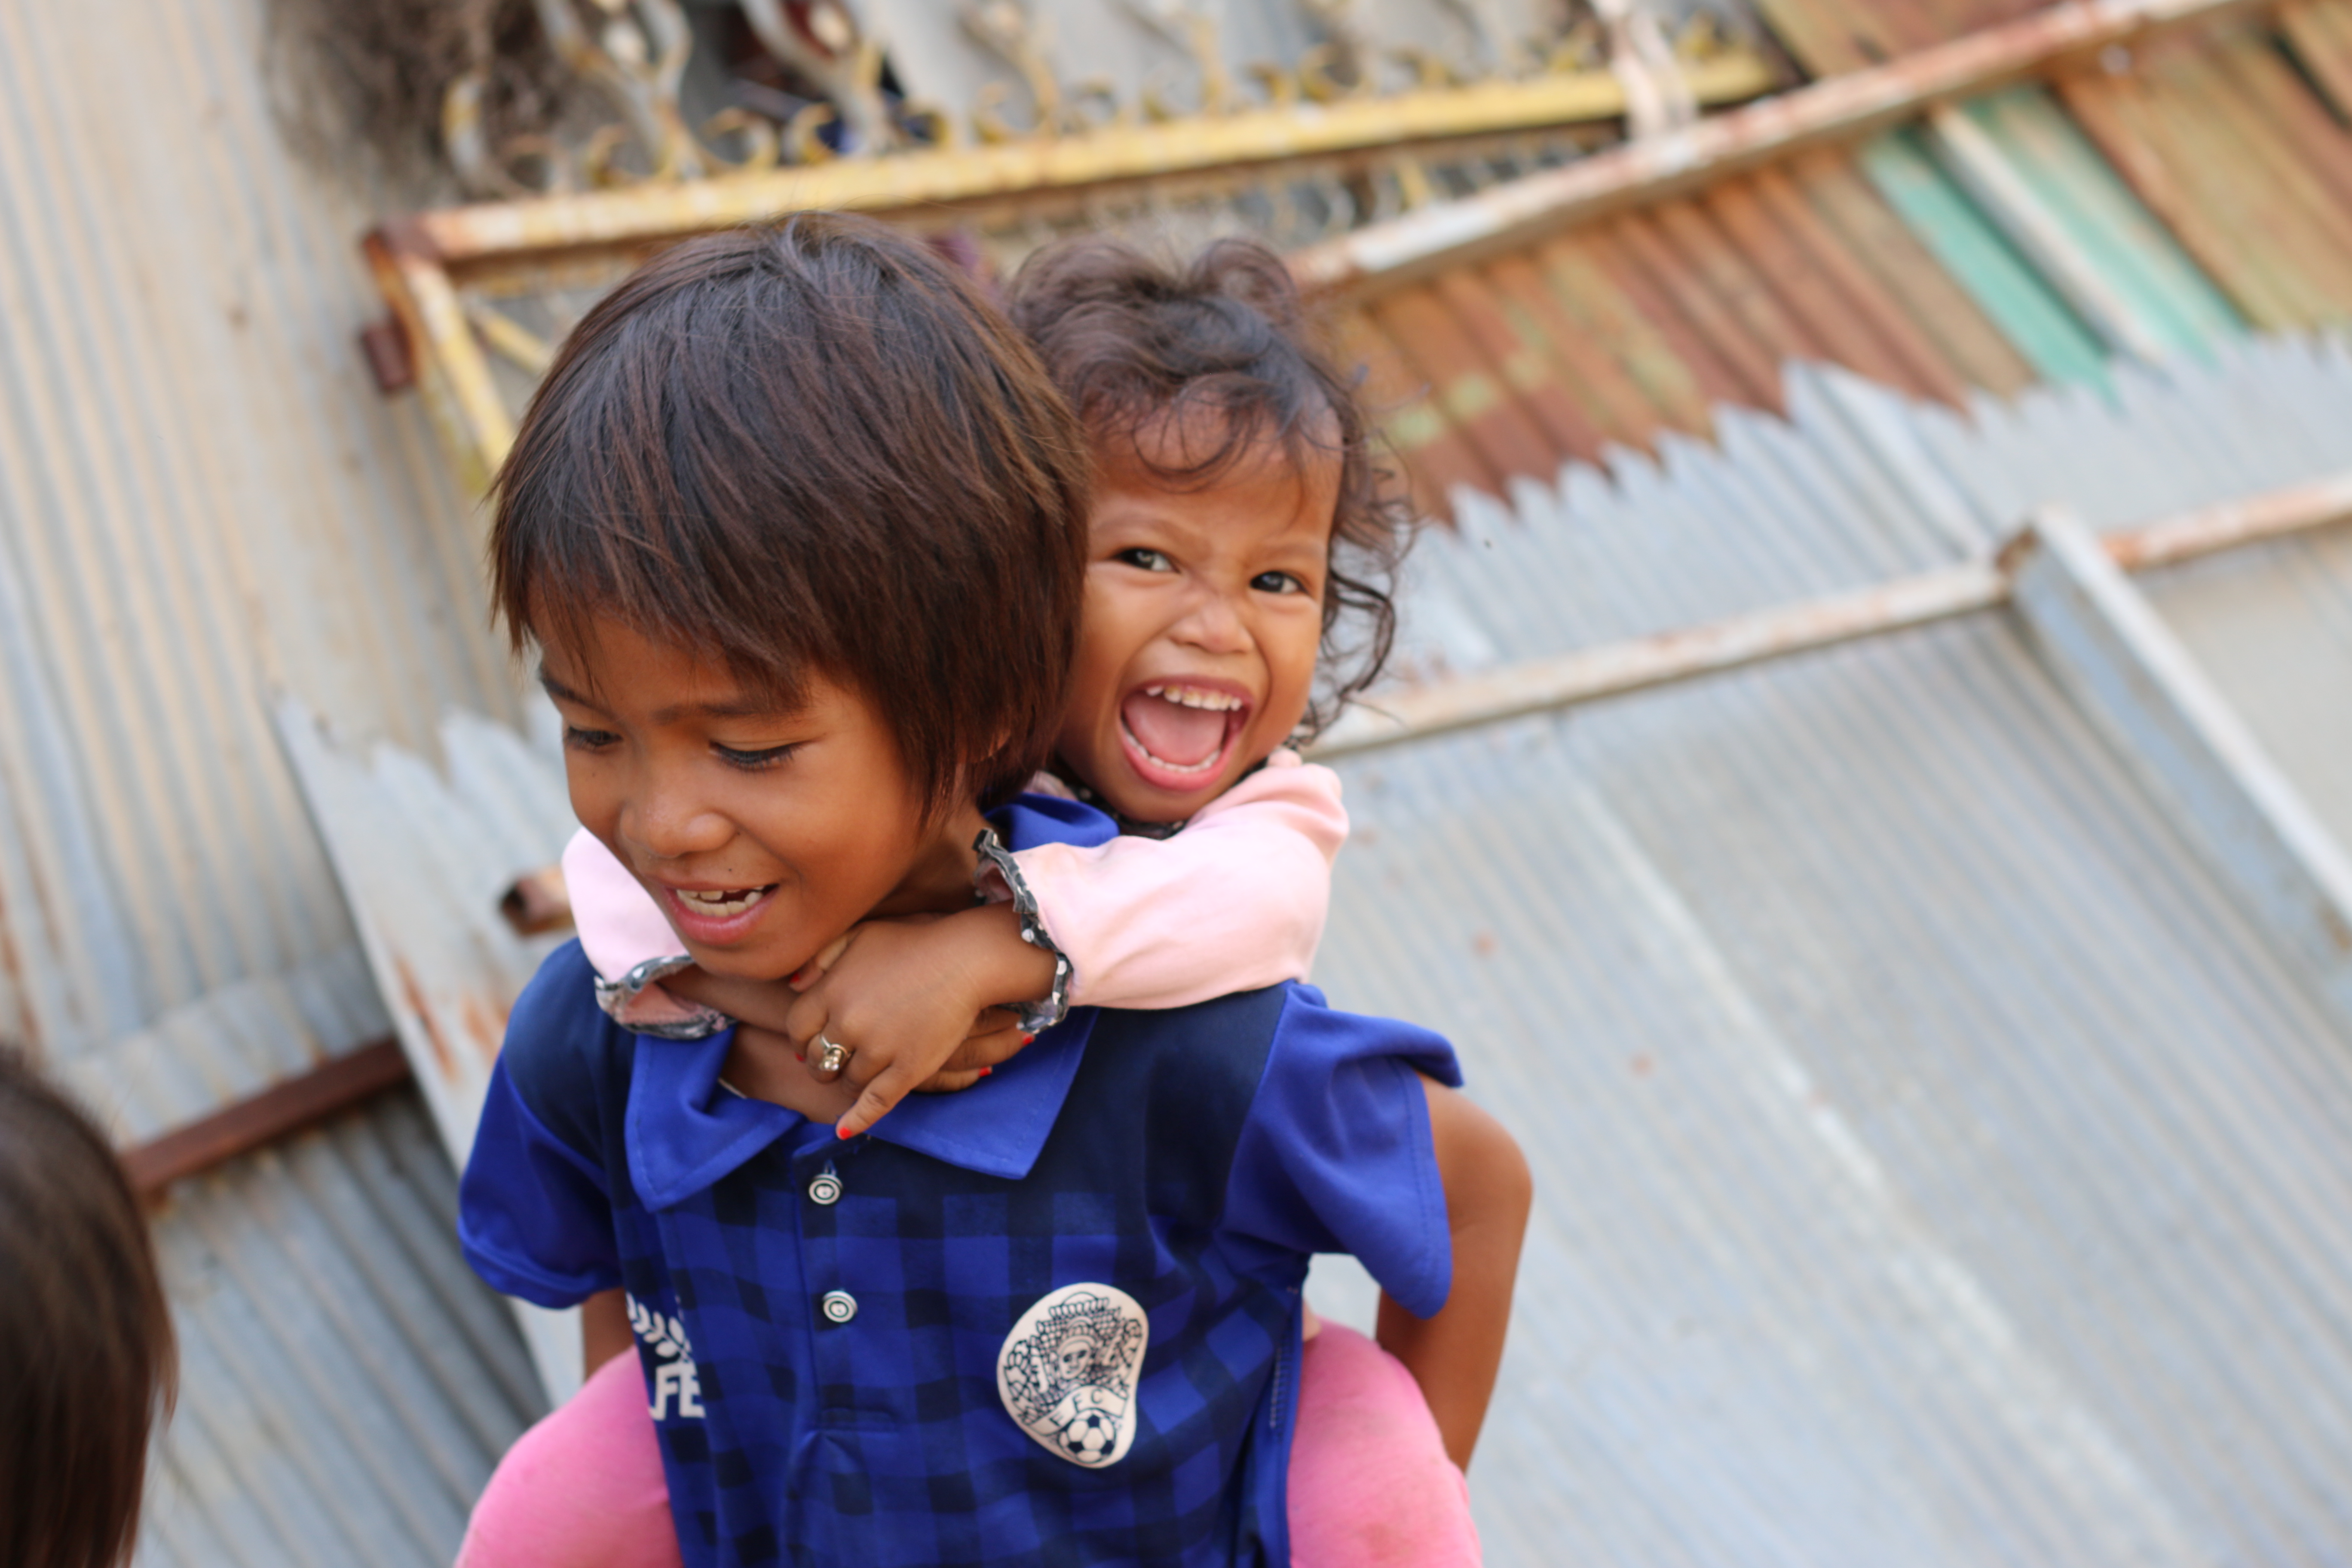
{"x": 1091, "y": 1437}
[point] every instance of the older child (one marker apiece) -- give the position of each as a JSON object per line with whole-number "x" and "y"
{"x": 1239, "y": 514}
{"x": 1241, "y": 501}
{"x": 1053, "y": 1316}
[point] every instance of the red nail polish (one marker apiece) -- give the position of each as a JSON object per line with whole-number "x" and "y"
{"x": 985, "y": 1071}
{"x": 843, "y": 1133}
{"x": 1028, "y": 1039}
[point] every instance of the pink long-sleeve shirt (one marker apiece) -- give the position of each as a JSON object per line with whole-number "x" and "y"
{"x": 1234, "y": 902}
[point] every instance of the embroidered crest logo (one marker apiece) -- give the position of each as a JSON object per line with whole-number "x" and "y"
{"x": 673, "y": 1357}
{"x": 1069, "y": 1371}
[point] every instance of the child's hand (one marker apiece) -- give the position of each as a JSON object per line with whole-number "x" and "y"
{"x": 920, "y": 1003}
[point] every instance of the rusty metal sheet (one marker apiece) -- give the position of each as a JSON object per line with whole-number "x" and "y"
{"x": 1841, "y": 300}
{"x": 1928, "y": 301}
{"x": 2320, "y": 32}
{"x": 1840, "y": 110}
{"x": 1580, "y": 363}
{"x": 1436, "y": 457}
{"x": 2224, "y": 141}
{"x": 1516, "y": 348}
{"x": 1473, "y": 396}
{"x": 1649, "y": 345}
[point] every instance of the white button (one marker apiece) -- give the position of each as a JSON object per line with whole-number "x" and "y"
{"x": 838, "y": 1306}
{"x": 824, "y": 1187}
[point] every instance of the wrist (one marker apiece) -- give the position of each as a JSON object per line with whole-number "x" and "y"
{"x": 1005, "y": 971}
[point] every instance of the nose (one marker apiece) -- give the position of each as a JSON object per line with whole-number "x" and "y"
{"x": 1213, "y": 622}
{"x": 671, "y": 822}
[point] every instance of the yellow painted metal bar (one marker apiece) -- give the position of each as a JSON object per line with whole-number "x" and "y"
{"x": 453, "y": 374}
{"x": 470, "y": 236}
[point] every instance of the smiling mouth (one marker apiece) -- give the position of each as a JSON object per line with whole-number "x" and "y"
{"x": 1179, "y": 735}
{"x": 719, "y": 904}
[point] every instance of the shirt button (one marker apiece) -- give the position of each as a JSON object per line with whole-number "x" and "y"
{"x": 838, "y": 1306}
{"x": 824, "y": 1187}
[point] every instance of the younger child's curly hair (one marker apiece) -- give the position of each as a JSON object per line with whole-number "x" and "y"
{"x": 1133, "y": 342}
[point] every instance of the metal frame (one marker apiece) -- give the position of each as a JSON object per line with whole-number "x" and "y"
{"x": 2140, "y": 685}
{"x": 1614, "y": 669}
{"x": 420, "y": 261}
{"x": 1839, "y": 109}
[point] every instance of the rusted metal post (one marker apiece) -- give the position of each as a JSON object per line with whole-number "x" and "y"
{"x": 2138, "y": 683}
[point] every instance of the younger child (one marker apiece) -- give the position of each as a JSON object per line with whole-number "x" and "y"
{"x": 638, "y": 584}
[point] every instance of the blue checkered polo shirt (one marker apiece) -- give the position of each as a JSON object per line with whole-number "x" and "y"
{"x": 1051, "y": 1320}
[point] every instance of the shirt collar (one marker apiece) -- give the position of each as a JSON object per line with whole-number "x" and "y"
{"x": 686, "y": 1131}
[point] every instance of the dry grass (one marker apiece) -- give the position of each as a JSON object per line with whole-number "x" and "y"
{"x": 360, "y": 82}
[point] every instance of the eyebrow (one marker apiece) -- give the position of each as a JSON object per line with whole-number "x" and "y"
{"x": 739, "y": 708}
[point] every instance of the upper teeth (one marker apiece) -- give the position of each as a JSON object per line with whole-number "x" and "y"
{"x": 722, "y": 902}
{"x": 1193, "y": 697}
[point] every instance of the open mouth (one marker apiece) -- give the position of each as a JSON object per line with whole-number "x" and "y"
{"x": 1178, "y": 734}
{"x": 709, "y": 908}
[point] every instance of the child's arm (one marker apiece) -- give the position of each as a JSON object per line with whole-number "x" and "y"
{"x": 1455, "y": 1355}
{"x": 1233, "y": 902}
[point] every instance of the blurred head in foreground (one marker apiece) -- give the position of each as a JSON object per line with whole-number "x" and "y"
{"x": 86, "y": 1353}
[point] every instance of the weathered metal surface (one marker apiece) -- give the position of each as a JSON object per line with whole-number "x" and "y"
{"x": 476, "y": 239}
{"x": 425, "y": 855}
{"x": 1613, "y": 669}
{"x": 2320, "y": 32}
{"x": 1841, "y": 109}
{"x": 1635, "y": 325}
{"x": 346, "y": 1384}
{"x": 2135, "y": 677}
{"x": 1934, "y": 1165}
{"x": 2227, "y": 143}
{"x": 2171, "y": 304}
{"x": 202, "y": 496}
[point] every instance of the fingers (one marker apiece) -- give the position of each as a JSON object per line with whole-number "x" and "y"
{"x": 972, "y": 1060}
{"x": 808, "y": 1017}
{"x": 1001, "y": 1045}
{"x": 809, "y": 973}
{"x": 874, "y": 1102}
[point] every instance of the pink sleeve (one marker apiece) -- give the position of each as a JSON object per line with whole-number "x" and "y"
{"x": 629, "y": 941}
{"x": 1233, "y": 902}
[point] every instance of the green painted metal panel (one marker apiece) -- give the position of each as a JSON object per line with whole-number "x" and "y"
{"x": 2003, "y": 284}
{"x": 2134, "y": 254}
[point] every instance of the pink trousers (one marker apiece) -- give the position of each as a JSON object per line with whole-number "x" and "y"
{"x": 1371, "y": 1486}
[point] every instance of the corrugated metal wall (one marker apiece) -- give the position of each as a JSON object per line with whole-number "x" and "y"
{"x": 1933, "y": 1166}
{"x": 202, "y": 497}
{"x": 2201, "y": 186}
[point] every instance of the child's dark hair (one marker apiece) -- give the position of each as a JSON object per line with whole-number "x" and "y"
{"x": 813, "y": 447}
{"x": 1133, "y": 341}
{"x": 85, "y": 1336}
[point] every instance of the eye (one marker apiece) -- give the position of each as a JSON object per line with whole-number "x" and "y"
{"x": 753, "y": 761}
{"x": 1277, "y": 582}
{"x": 581, "y": 739}
{"x": 1145, "y": 559}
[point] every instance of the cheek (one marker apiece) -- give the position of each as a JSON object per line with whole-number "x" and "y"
{"x": 595, "y": 796}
